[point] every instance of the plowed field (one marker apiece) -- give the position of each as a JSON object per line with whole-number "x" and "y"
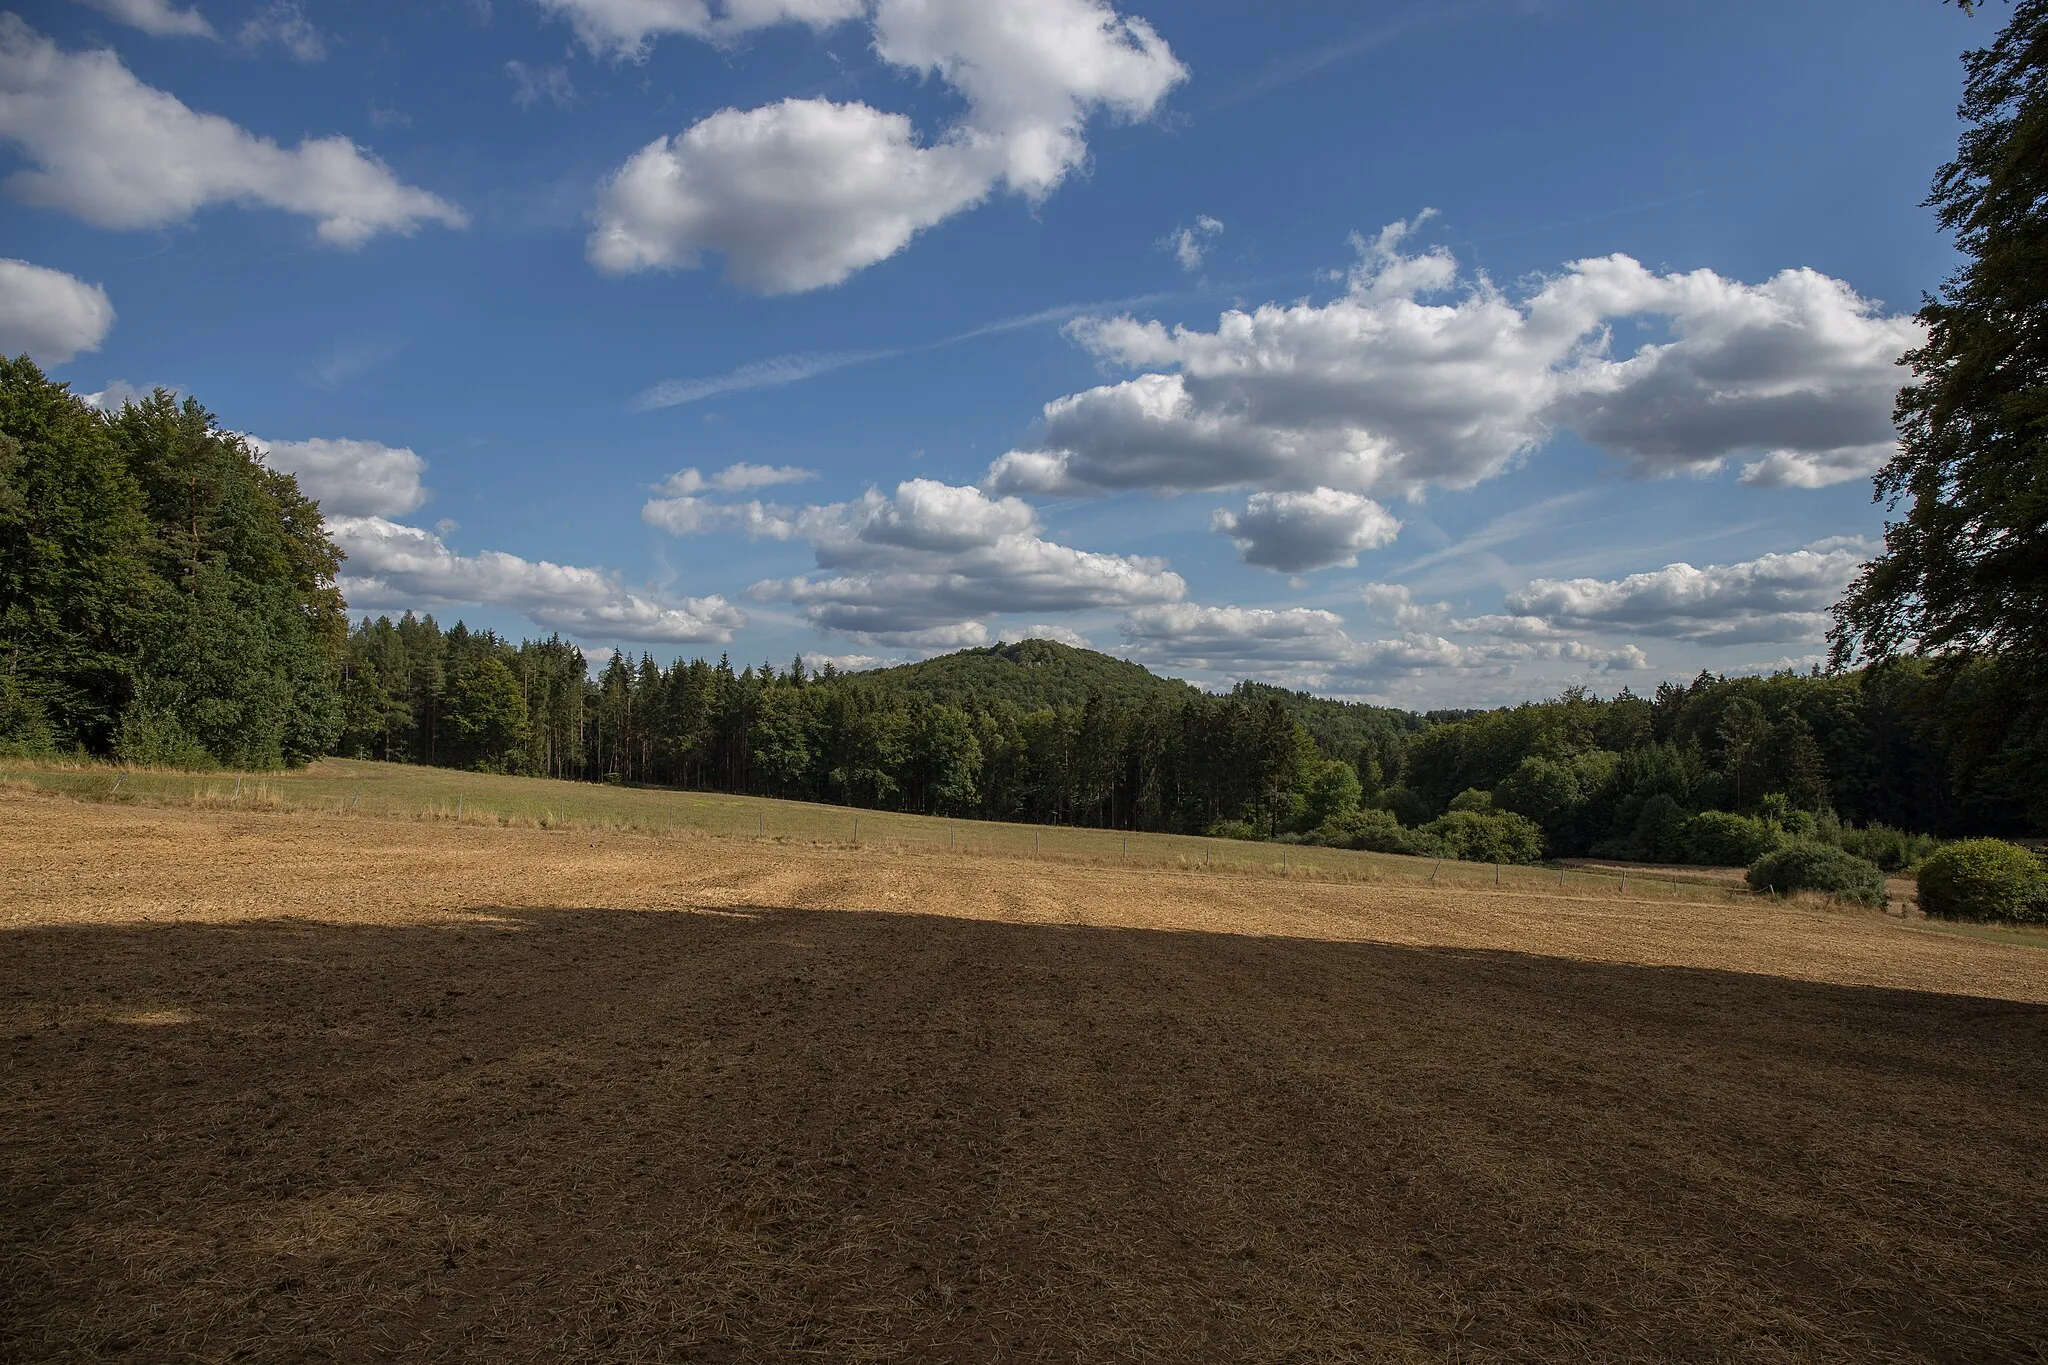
{"x": 301, "y": 1087}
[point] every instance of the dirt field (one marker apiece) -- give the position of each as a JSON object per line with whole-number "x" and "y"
{"x": 290, "y": 1087}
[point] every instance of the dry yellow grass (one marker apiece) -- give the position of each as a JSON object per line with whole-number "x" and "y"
{"x": 311, "y": 1087}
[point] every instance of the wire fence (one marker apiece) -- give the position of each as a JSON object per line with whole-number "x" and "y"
{"x": 367, "y": 791}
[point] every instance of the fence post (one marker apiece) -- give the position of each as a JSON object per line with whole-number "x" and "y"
{"x": 856, "y": 829}
{"x": 1624, "y": 884}
{"x": 238, "y": 786}
{"x": 1496, "y": 876}
{"x": 357, "y": 797}
{"x": 1433, "y": 870}
{"x": 760, "y": 824}
{"x": 458, "y": 810}
{"x": 119, "y": 778}
{"x": 1034, "y": 843}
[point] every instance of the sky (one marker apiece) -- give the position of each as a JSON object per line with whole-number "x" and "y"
{"x": 1438, "y": 354}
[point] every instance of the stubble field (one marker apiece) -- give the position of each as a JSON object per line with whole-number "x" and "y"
{"x": 291, "y": 1086}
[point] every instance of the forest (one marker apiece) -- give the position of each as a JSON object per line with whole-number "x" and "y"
{"x": 1038, "y": 731}
{"x": 166, "y": 598}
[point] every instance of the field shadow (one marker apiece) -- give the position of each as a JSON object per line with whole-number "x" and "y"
{"x": 775, "y": 1134}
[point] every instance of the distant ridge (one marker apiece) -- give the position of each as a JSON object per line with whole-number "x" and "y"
{"x": 1035, "y": 673}
{"x": 1030, "y": 674}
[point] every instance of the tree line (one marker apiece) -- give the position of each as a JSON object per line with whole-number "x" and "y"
{"x": 1039, "y": 732}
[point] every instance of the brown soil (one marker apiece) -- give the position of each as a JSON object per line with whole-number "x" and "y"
{"x": 292, "y": 1087}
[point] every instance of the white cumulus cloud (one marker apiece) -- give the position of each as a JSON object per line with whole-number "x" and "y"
{"x": 121, "y": 154}
{"x": 802, "y": 193}
{"x": 927, "y": 565}
{"x": 49, "y": 314}
{"x": 1301, "y": 532}
{"x": 1416, "y": 377}
{"x": 1775, "y": 598}
{"x": 1310, "y": 647}
{"x": 158, "y": 18}
{"x": 394, "y": 567}
{"x": 351, "y": 478}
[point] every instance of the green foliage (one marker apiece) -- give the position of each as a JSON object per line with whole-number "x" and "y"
{"x": 1984, "y": 879}
{"x": 1964, "y": 574}
{"x": 1332, "y": 791}
{"x": 1482, "y": 837}
{"x": 1030, "y": 674}
{"x": 1660, "y": 832}
{"x": 1818, "y": 867}
{"x": 1407, "y": 805}
{"x": 1474, "y": 800}
{"x": 24, "y": 728}
{"x": 1720, "y": 839}
{"x": 1894, "y": 850}
{"x": 151, "y": 735}
{"x": 162, "y": 592}
{"x": 486, "y": 717}
{"x": 1233, "y": 829}
{"x": 1373, "y": 831}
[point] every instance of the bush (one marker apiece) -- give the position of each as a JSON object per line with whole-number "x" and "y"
{"x": 1661, "y": 831}
{"x": 1984, "y": 879}
{"x": 1894, "y": 850}
{"x": 1407, "y": 805}
{"x": 153, "y": 738}
{"x": 1233, "y": 829}
{"x": 1373, "y": 831}
{"x": 1818, "y": 867}
{"x": 1715, "y": 838}
{"x": 1492, "y": 837}
{"x": 1474, "y": 800}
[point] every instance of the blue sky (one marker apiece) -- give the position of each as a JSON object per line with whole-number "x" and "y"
{"x": 1444, "y": 354}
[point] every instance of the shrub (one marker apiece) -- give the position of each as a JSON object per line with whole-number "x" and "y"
{"x": 1660, "y": 830}
{"x": 1492, "y": 837}
{"x": 1818, "y": 867}
{"x": 1984, "y": 879}
{"x": 1373, "y": 831}
{"x": 1232, "y": 829}
{"x": 1474, "y": 800}
{"x": 153, "y": 737}
{"x": 1894, "y": 850}
{"x": 1408, "y": 805}
{"x": 1717, "y": 839}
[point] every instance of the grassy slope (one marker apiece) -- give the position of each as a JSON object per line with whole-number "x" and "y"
{"x": 402, "y": 791}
